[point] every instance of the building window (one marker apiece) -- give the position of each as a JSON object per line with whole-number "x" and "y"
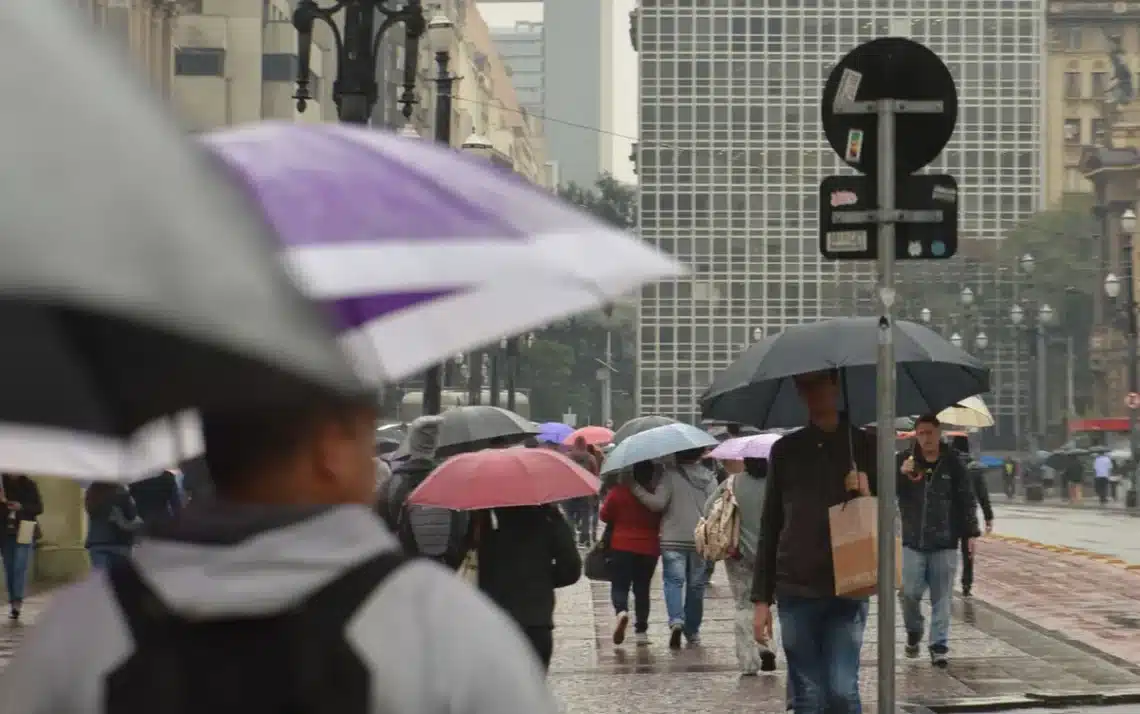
{"x": 1072, "y": 131}
{"x": 200, "y": 62}
{"x": 1097, "y": 129}
{"x": 1071, "y": 37}
{"x": 1072, "y": 85}
{"x": 1099, "y": 84}
{"x": 283, "y": 68}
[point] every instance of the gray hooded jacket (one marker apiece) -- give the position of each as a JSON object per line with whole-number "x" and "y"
{"x": 680, "y": 497}
{"x": 433, "y": 643}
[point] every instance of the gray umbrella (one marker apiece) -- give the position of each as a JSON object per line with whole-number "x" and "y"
{"x": 136, "y": 281}
{"x": 758, "y": 388}
{"x": 476, "y": 427}
{"x": 640, "y": 424}
{"x": 656, "y": 443}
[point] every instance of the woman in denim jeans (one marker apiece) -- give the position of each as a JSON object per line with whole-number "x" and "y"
{"x": 112, "y": 520}
{"x": 21, "y": 505}
{"x": 634, "y": 549}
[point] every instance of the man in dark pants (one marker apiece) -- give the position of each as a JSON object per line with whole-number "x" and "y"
{"x": 982, "y": 496}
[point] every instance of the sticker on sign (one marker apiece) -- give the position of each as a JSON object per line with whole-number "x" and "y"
{"x": 843, "y": 198}
{"x": 848, "y": 89}
{"x": 846, "y": 241}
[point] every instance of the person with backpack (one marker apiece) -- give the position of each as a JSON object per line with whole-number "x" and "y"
{"x": 633, "y": 552}
{"x": 744, "y": 493}
{"x": 285, "y": 593}
{"x": 112, "y": 522}
{"x": 424, "y": 531}
{"x": 524, "y": 554}
{"x": 680, "y": 498}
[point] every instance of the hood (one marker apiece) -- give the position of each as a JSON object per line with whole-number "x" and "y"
{"x": 234, "y": 560}
{"x": 423, "y": 437}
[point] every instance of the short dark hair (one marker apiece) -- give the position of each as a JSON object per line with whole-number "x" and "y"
{"x": 690, "y": 456}
{"x": 927, "y": 419}
{"x": 241, "y": 444}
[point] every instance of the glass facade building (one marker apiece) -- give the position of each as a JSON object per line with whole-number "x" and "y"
{"x": 731, "y": 155}
{"x": 522, "y": 50}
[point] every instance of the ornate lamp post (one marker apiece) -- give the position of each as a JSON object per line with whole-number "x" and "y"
{"x": 1112, "y": 288}
{"x": 355, "y": 90}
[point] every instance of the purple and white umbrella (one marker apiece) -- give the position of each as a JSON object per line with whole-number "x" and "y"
{"x": 757, "y": 446}
{"x": 422, "y": 251}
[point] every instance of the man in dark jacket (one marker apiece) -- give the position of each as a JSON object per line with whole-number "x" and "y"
{"x": 937, "y": 509}
{"x": 436, "y": 533}
{"x": 809, "y": 471}
{"x": 158, "y": 497}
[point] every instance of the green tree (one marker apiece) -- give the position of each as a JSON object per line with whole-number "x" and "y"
{"x": 1062, "y": 242}
{"x": 609, "y": 199}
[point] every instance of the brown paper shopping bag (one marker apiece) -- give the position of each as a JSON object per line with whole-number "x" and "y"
{"x": 855, "y": 547}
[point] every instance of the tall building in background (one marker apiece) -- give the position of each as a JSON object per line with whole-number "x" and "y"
{"x": 522, "y": 48}
{"x": 731, "y": 154}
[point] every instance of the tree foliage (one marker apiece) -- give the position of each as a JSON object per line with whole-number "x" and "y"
{"x": 1062, "y": 242}
{"x": 561, "y": 367}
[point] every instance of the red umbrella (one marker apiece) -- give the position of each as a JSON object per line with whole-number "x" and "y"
{"x": 500, "y": 478}
{"x": 594, "y": 435}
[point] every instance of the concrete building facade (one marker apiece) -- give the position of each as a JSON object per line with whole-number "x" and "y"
{"x": 731, "y": 155}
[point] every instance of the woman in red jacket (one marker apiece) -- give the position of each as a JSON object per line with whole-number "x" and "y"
{"x": 634, "y": 548}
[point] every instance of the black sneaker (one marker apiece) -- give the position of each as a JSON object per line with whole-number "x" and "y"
{"x": 913, "y": 639}
{"x": 939, "y": 656}
{"x": 675, "y": 634}
{"x": 767, "y": 661}
{"x": 966, "y": 591}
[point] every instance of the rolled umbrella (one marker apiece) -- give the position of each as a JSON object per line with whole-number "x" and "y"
{"x": 502, "y": 478}
{"x": 593, "y": 435}
{"x": 759, "y": 389}
{"x": 657, "y": 443}
{"x": 130, "y": 290}
{"x": 421, "y": 251}
{"x": 640, "y": 424}
{"x": 968, "y": 412}
{"x": 554, "y": 432}
{"x": 757, "y": 446}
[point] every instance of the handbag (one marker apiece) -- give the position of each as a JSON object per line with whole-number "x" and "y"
{"x": 596, "y": 565}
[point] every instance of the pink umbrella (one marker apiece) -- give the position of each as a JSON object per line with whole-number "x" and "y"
{"x": 757, "y": 446}
{"x": 500, "y": 478}
{"x": 594, "y": 435}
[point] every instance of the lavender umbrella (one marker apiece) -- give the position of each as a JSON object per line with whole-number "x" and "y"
{"x": 554, "y": 432}
{"x": 422, "y": 251}
{"x": 757, "y": 446}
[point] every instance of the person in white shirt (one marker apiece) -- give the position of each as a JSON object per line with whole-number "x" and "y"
{"x": 1102, "y": 467}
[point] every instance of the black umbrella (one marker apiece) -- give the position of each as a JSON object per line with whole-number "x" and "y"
{"x": 758, "y": 388}
{"x": 640, "y": 424}
{"x": 137, "y": 281}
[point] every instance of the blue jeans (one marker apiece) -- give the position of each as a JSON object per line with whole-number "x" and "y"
{"x": 103, "y": 557}
{"x": 685, "y": 574}
{"x": 822, "y": 641}
{"x": 934, "y": 570}
{"x": 17, "y": 557}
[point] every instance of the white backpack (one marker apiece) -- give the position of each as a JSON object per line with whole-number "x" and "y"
{"x": 718, "y": 533}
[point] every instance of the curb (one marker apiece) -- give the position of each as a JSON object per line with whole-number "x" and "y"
{"x": 1079, "y": 552}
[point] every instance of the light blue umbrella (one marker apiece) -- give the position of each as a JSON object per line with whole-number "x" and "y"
{"x": 656, "y": 443}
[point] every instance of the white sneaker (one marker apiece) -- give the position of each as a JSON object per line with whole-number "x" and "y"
{"x": 641, "y": 638}
{"x": 620, "y": 627}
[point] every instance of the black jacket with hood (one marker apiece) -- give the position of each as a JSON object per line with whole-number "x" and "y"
{"x": 526, "y": 553}
{"x": 936, "y": 502}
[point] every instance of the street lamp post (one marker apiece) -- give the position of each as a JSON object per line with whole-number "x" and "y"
{"x": 440, "y": 35}
{"x": 925, "y": 315}
{"x": 494, "y": 369}
{"x": 355, "y": 90}
{"x": 1113, "y": 289}
{"x": 513, "y": 365}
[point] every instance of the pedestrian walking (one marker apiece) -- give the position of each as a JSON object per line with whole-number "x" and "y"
{"x": 21, "y": 506}
{"x": 810, "y": 470}
{"x": 936, "y": 510}
{"x": 424, "y": 531}
{"x": 524, "y": 554}
{"x": 286, "y": 591}
{"x": 748, "y": 488}
{"x": 634, "y": 550}
{"x": 1009, "y": 471}
{"x": 1102, "y": 473}
{"x": 582, "y": 511}
{"x": 977, "y": 474}
{"x": 112, "y": 523}
{"x": 680, "y": 498}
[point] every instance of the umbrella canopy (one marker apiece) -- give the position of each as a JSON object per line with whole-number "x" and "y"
{"x": 475, "y": 427}
{"x": 594, "y": 435}
{"x": 421, "y": 251}
{"x": 554, "y": 432}
{"x": 136, "y": 281}
{"x": 640, "y": 424}
{"x": 758, "y": 388}
{"x": 724, "y": 431}
{"x": 969, "y": 412}
{"x": 501, "y": 478}
{"x": 656, "y": 443}
{"x": 757, "y": 446}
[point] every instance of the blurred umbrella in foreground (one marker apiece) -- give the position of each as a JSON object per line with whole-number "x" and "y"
{"x": 501, "y": 478}
{"x": 136, "y": 283}
{"x": 422, "y": 251}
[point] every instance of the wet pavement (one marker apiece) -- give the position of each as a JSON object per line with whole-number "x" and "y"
{"x": 1109, "y": 532}
{"x": 996, "y": 660}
